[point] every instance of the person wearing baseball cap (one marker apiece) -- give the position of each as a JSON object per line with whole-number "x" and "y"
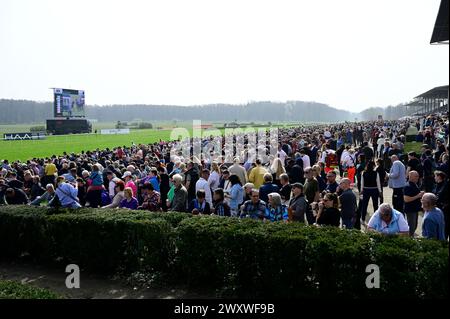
{"x": 128, "y": 178}
{"x": 298, "y": 205}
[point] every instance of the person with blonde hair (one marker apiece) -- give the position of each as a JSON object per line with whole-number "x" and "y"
{"x": 214, "y": 177}
{"x": 317, "y": 173}
{"x": 277, "y": 169}
{"x": 129, "y": 202}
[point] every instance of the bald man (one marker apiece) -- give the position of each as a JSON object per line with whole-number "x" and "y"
{"x": 397, "y": 181}
{"x": 433, "y": 226}
{"x": 412, "y": 196}
{"x": 349, "y": 206}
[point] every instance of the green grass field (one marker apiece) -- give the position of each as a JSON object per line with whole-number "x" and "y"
{"x": 56, "y": 145}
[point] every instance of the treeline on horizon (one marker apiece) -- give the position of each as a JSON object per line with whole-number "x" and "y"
{"x": 25, "y": 112}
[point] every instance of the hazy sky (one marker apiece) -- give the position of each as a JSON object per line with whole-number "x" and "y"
{"x": 348, "y": 54}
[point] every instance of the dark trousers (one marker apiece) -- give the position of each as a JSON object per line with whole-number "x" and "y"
{"x": 397, "y": 199}
{"x": 357, "y": 223}
{"x": 369, "y": 193}
{"x": 163, "y": 201}
{"x": 412, "y": 219}
{"x": 310, "y": 217}
{"x": 348, "y": 222}
{"x": 428, "y": 183}
{"x": 94, "y": 197}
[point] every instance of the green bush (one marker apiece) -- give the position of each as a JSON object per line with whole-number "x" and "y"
{"x": 38, "y": 129}
{"x": 15, "y": 290}
{"x": 237, "y": 257}
{"x": 99, "y": 240}
{"x": 145, "y": 125}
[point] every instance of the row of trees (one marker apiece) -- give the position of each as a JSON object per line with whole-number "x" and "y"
{"x": 22, "y": 111}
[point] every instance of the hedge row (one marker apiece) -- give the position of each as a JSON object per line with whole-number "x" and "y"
{"x": 243, "y": 258}
{"x": 16, "y": 290}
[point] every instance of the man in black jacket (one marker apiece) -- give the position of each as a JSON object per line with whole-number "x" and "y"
{"x": 296, "y": 174}
{"x": 441, "y": 191}
{"x": 15, "y": 196}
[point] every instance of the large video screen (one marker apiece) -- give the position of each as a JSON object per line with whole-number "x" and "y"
{"x": 69, "y": 103}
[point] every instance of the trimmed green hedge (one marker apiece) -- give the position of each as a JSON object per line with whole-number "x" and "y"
{"x": 16, "y": 290}
{"x": 238, "y": 257}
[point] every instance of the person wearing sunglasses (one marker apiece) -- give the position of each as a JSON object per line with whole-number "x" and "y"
{"x": 329, "y": 214}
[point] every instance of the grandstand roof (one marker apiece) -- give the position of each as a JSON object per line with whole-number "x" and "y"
{"x": 440, "y": 31}
{"x": 436, "y": 92}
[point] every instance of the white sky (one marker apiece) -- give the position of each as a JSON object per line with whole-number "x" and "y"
{"x": 350, "y": 54}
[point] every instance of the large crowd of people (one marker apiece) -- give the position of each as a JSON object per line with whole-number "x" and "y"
{"x": 318, "y": 175}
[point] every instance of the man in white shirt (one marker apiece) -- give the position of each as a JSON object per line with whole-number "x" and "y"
{"x": 305, "y": 158}
{"x": 112, "y": 184}
{"x": 348, "y": 158}
{"x": 202, "y": 184}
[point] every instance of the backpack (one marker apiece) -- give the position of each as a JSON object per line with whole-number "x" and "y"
{"x": 331, "y": 160}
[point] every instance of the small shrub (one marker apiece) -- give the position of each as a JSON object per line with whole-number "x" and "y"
{"x": 15, "y": 290}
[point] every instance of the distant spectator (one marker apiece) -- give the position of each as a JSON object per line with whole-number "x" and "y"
{"x": 441, "y": 191}
{"x": 254, "y": 208}
{"x": 412, "y": 196}
{"x": 329, "y": 214}
{"x": 433, "y": 226}
{"x": 203, "y": 185}
{"x": 152, "y": 198}
{"x": 332, "y": 185}
{"x": 256, "y": 175}
{"x": 128, "y": 178}
{"x": 285, "y": 190}
{"x": 371, "y": 188}
{"x": 46, "y": 197}
{"x": 129, "y": 202}
{"x": 389, "y": 221}
{"x": 275, "y": 211}
{"x": 238, "y": 170}
{"x": 119, "y": 195}
{"x": 348, "y": 203}
{"x": 15, "y": 196}
{"x": 220, "y": 207}
{"x": 67, "y": 193}
{"x": 248, "y": 188}
{"x": 298, "y": 205}
{"x": 397, "y": 181}
{"x": 267, "y": 188}
{"x": 200, "y": 205}
{"x": 179, "y": 201}
{"x": 236, "y": 195}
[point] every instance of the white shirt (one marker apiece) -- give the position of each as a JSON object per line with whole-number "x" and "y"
{"x": 282, "y": 155}
{"x": 348, "y": 159}
{"x": 111, "y": 187}
{"x": 306, "y": 161}
{"x": 380, "y": 143}
{"x": 202, "y": 184}
{"x": 214, "y": 180}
